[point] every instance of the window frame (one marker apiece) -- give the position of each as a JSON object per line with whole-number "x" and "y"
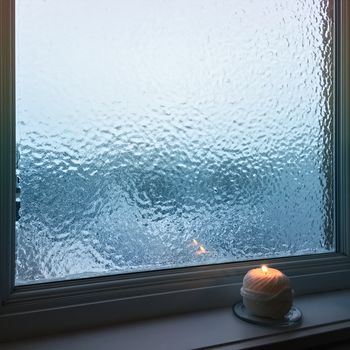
{"x": 72, "y": 304}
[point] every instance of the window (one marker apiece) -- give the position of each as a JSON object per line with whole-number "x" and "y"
{"x": 243, "y": 123}
{"x": 146, "y": 142}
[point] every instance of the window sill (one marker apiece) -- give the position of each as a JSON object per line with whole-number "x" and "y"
{"x": 323, "y": 314}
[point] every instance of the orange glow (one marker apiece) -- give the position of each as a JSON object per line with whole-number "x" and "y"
{"x": 194, "y": 242}
{"x": 264, "y": 269}
{"x": 201, "y": 250}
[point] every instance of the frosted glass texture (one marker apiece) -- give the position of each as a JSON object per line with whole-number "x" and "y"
{"x": 169, "y": 133}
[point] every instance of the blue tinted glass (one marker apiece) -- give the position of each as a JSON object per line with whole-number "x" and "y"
{"x": 158, "y": 134}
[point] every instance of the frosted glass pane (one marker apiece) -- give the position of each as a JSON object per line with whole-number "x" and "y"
{"x": 158, "y": 134}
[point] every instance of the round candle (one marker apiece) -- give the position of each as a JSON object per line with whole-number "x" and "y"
{"x": 267, "y": 292}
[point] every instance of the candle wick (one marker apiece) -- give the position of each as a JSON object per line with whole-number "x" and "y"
{"x": 264, "y": 269}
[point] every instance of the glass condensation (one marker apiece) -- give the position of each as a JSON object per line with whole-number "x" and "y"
{"x": 158, "y": 134}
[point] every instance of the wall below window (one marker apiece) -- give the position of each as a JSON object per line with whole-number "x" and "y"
{"x": 326, "y": 319}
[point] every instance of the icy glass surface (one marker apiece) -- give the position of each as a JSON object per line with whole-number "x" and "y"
{"x": 158, "y": 134}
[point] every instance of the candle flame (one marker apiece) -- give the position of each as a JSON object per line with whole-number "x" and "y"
{"x": 264, "y": 269}
{"x": 201, "y": 250}
{"x": 194, "y": 242}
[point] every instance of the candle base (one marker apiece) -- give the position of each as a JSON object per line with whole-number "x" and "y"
{"x": 292, "y": 319}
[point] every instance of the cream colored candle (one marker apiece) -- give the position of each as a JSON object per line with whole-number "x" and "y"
{"x": 267, "y": 292}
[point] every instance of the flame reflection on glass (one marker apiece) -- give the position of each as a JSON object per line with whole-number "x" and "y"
{"x": 194, "y": 242}
{"x": 201, "y": 250}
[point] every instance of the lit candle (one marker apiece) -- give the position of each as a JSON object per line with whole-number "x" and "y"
{"x": 267, "y": 292}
